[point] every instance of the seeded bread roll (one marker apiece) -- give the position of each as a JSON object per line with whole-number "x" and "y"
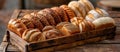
{"x": 35, "y": 20}
{"x": 103, "y": 22}
{"x": 43, "y": 20}
{"x": 47, "y": 15}
{"x": 29, "y": 24}
{"x": 33, "y": 35}
{"x": 16, "y": 26}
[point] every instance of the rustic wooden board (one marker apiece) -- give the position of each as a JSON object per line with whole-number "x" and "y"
{"x": 58, "y": 43}
{"x": 95, "y": 46}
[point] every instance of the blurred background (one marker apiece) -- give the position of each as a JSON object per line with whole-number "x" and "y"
{"x": 8, "y": 6}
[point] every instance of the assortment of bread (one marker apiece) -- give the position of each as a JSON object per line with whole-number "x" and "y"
{"x": 76, "y": 17}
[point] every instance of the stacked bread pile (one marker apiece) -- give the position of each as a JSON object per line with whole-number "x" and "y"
{"x": 76, "y": 17}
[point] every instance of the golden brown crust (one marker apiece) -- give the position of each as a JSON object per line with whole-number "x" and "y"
{"x": 76, "y": 20}
{"x": 47, "y": 15}
{"x": 65, "y": 18}
{"x": 43, "y": 20}
{"x": 60, "y": 25}
{"x": 61, "y": 13}
{"x": 35, "y": 20}
{"x": 27, "y": 22}
{"x": 105, "y": 25}
{"x": 91, "y": 25}
{"x": 53, "y": 33}
{"x": 69, "y": 29}
{"x": 16, "y": 26}
{"x": 54, "y": 15}
{"x": 103, "y": 22}
{"x": 88, "y": 4}
{"x": 46, "y": 28}
{"x": 31, "y": 35}
{"x": 69, "y": 12}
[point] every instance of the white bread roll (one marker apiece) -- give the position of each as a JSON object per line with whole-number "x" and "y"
{"x": 92, "y": 15}
{"x": 78, "y": 8}
{"x": 103, "y": 22}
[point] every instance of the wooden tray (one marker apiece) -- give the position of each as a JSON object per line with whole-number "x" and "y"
{"x": 61, "y": 42}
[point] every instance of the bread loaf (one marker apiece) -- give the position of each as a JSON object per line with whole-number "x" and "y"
{"x": 103, "y": 22}
{"x": 16, "y": 26}
{"x": 67, "y": 28}
{"x": 50, "y": 32}
{"x": 32, "y": 35}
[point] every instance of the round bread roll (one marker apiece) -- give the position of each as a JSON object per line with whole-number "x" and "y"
{"x": 78, "y": 8}
{"x": 32, "y": 35}
{"x": 70, "y": 13}
{"x": 88, "y": 4}
{"x": 103, "y": 22}
{"x": 53, "y": 33}
{"x": 92, "y": 15}
{"x": 102, "y": 12}
{"x": 69, "y": 29}
{"x": 16, "y": 26}
{"x": 60, "y": 25}
{"x": 85, "y": 26}
{"x": 46, "y": 28}
{"x": 76, "y": 20}
{"x": 47, "y": 15}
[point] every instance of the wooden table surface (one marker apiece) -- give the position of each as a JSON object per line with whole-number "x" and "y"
{"x": 103, "y": 46}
